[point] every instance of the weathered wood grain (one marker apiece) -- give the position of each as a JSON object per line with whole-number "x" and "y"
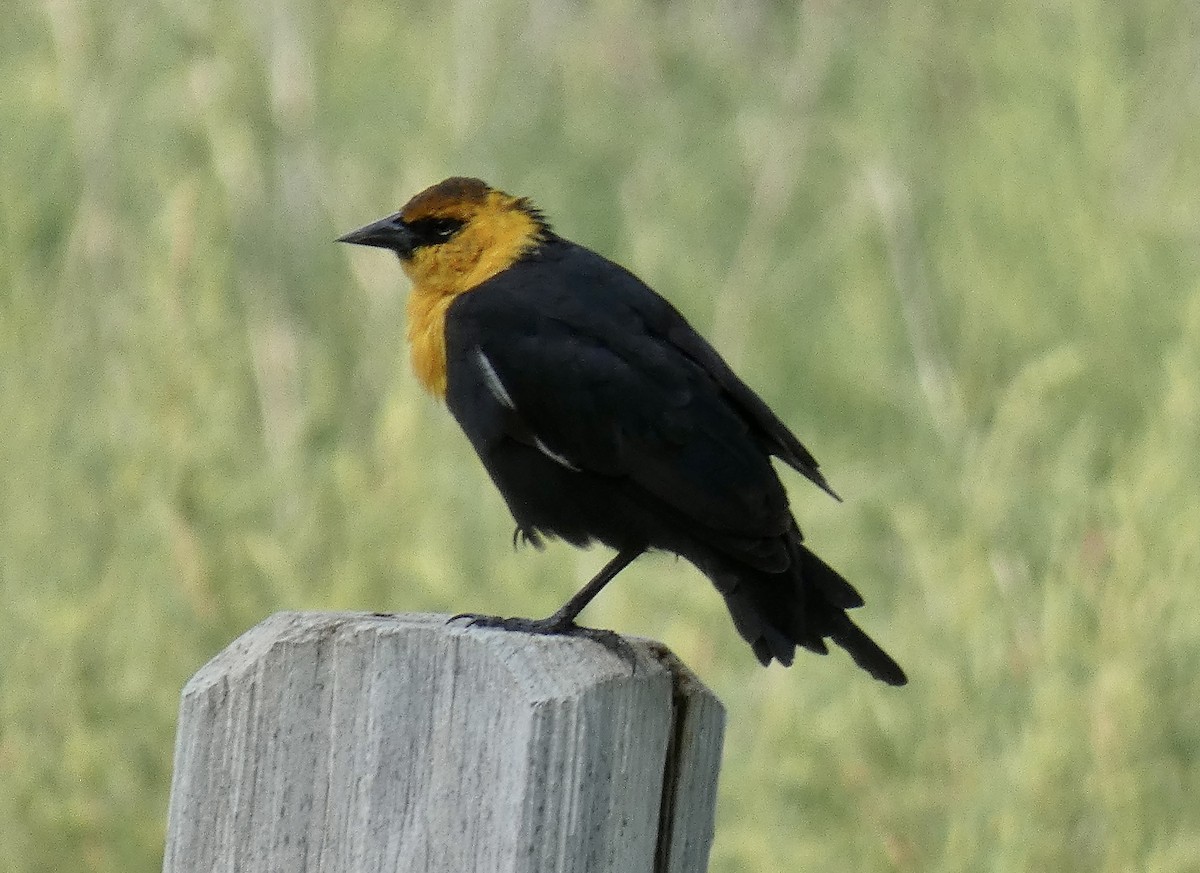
{"x": 353, "y": 742}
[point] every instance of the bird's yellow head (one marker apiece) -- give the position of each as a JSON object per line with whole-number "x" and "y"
{"x": 456, "y": 235}
{"x": 450, "y": 239}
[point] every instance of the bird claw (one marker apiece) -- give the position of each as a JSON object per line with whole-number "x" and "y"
{"x": 610, "y": 640}
{"x": 523, "y": 536}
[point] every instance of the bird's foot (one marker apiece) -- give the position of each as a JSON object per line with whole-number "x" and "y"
{"x": 555, "y": 626}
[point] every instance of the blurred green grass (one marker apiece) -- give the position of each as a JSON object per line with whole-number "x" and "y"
{"x": 954, "y": 244}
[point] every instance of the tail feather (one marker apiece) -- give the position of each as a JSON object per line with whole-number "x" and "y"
{"x": 813, "y": 571}
{"x": 768, "y": 641}
{"x": 803, "y": 606}
{"x": 866, "y": 652}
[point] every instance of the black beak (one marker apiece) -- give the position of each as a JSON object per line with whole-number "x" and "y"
{"x": 387, "y": 233}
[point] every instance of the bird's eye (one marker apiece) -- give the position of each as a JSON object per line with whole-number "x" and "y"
{"x": 434, "y": 231}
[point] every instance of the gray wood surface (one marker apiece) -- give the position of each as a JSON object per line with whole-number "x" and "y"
{"x": 354, "y": 742}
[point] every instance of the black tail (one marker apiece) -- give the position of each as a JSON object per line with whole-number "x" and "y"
{"x": 866, "y": 652}
{"x": 803, "y": 606}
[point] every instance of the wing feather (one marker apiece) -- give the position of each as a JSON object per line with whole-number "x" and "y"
{"x": 607, "y": 377}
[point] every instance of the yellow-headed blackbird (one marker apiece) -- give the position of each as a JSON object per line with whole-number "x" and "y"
{"x": 601, "y": 415}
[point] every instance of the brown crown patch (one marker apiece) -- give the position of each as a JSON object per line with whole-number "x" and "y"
{"x": 456, "y": 197}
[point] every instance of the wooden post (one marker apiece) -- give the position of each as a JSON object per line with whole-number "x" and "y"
{"x": 360, "y": 743}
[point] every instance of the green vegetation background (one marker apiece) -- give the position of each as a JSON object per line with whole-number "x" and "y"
{"x": 955, "y": 244}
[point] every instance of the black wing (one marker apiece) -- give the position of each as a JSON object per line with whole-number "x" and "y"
{"x": 776, "y": 436}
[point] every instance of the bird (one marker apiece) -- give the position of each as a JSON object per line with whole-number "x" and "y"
{"x": 602, "y": 416}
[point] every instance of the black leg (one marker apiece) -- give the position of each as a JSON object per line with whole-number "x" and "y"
{"x": 563, "y": 621}
{"x": 567, "y": 614}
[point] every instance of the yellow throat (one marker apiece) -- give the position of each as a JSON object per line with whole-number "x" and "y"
{"x": 498, "y": 231}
